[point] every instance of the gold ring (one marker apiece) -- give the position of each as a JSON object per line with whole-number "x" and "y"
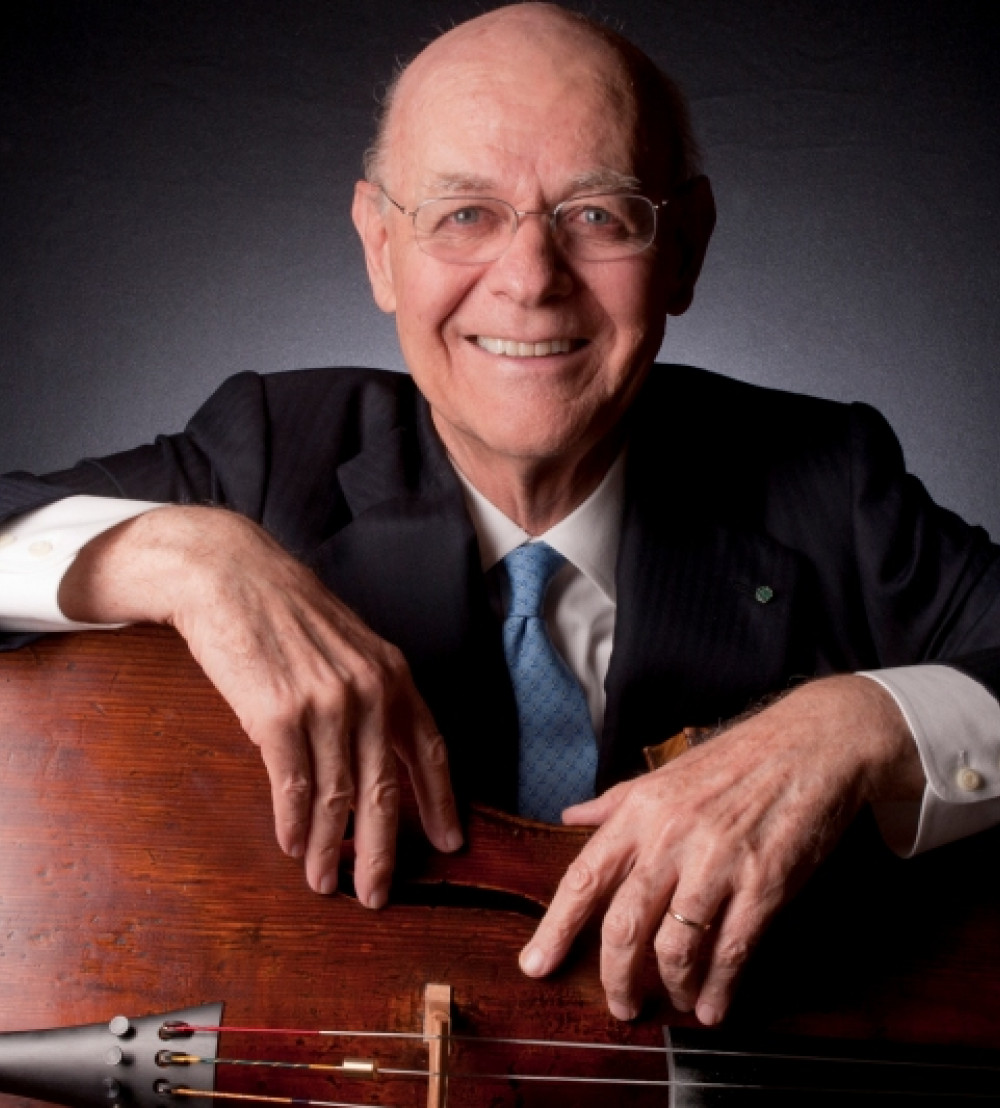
{"x": 690, "y": 922}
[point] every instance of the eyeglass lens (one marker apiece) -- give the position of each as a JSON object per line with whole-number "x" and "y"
{"x": 477, "y": 229}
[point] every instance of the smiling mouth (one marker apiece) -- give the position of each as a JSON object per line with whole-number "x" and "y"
{"x": 514, "y": 349}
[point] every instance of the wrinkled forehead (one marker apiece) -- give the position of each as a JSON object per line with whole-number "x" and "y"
{"x": 544, "y": 109}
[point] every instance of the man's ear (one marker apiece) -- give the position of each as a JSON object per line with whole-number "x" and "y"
{"x": 370, "y": 222}
{"x": 693, "y": 223}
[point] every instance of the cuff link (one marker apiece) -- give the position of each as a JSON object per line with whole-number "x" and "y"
{"x": 969, "y": 780}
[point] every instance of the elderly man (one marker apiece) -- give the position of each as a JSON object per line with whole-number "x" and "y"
{"x": 532, "y": 214}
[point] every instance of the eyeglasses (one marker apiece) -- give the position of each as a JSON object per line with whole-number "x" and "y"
{"x": 473, "y": 230}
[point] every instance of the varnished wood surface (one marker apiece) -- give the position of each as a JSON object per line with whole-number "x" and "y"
{"x": 139, "y": 873}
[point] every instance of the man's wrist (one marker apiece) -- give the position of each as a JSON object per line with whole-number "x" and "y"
{"x": 148, "y": 569}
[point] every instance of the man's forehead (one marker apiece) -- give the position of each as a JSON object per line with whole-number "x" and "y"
{"x": 476, "y": 128}
{"x": 519, "y": 86}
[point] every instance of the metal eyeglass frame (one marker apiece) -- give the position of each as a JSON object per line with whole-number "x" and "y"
{"x": 518, "y": 213}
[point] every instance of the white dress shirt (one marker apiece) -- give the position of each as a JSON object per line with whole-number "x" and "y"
{"x": 38, "y": 547}
{"x": 955, "y": 721}
{"x": 580, "y": 604}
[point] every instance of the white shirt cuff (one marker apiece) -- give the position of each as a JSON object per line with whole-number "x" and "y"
{"x": 37, "y": 548}
{"x": 955, "y": 723}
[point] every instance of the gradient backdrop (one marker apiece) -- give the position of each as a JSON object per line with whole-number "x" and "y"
{"x": 176, "y": 179}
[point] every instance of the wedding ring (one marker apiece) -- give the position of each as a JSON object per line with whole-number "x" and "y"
{"x": 690, "y": 922}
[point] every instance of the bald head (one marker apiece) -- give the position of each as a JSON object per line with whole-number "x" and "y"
{"x": 543, "y": 50}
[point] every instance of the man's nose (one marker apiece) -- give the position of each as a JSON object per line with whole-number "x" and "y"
{"x": 532, "y": 269}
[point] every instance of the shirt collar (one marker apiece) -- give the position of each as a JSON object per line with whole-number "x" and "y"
{"x": 587, "y": 537}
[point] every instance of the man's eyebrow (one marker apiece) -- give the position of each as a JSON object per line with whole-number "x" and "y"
{"x": 592, "y": 180}
{"x": 605, "y": 180}
{"x": 459, "y": 183}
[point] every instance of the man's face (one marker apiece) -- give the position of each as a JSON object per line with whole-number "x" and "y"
{"x": 532, "y": 134}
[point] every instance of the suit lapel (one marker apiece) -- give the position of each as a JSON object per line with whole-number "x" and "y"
{"x": 408, "y": 564}
{"x": 705, "y": 609}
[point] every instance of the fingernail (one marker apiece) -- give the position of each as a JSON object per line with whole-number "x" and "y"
{"x": 453, "y": 840}
{"x": 377, "y": 899}
{"x": 328, "y": 884}
{"x": 296, "y": 850}
{"x": 621, "y": 1011}
{"x": 532, "y": 961}
{"x": 707, "y": 1015}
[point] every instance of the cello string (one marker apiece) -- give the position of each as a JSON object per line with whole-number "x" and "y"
{"x": 798, "y": 1090}
{"x": 277, "y": 1064}
{"x": 576, "y": 1079}
{"x": 838, "y": 1060}
{"x": 742, "y": 1086}
{"x": 570, "y": 1044}
{"x": 180, "y": 1028}
{"x": 391, "y": 1071}
{"x": 260, "y": 1098}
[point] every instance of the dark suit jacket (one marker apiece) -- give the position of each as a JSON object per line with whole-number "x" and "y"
{"x": 766, "y": 537}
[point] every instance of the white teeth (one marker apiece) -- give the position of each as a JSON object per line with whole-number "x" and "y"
{"x": 524, "y": 349}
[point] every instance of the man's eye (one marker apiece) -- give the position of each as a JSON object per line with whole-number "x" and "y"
{"x": 469, "y": 218}
{"x": 591, "y": 219}
{"x": 465, "y": 217}
{"x": 459, "y": 219}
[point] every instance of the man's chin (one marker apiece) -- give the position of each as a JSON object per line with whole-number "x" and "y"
{"x": 540, "y": 441}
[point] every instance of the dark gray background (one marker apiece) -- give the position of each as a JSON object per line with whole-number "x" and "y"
{"x": 176, "y": 179}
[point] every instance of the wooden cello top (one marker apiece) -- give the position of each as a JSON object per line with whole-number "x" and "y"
{"x": 139, "y": 873}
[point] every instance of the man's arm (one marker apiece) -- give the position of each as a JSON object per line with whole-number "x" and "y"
{"x": 327, "y": 701}
{"x": 723, "y": 837}
{"x": 315, "y": 688}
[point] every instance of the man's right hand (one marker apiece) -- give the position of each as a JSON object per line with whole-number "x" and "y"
{"x": 328, "y": 702}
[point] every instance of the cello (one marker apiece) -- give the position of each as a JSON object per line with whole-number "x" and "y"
{"x": 139, "y": 876}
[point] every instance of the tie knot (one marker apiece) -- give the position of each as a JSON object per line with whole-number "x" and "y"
{"x": 530, "y": 568}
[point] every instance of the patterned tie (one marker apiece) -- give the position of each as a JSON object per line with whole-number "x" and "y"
{"x": 558, "y": 752}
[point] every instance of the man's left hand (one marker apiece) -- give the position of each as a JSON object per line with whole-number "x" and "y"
{"x": 698, "y": 856}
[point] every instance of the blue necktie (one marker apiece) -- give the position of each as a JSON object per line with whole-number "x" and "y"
{"x": 558, "y": 753}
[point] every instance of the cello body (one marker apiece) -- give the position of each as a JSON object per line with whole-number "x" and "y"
{"x": 139, "y": 874}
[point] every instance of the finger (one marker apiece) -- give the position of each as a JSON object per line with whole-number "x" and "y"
{"x": 686, "y": 936}
{"x": 425, "y": 755}
{"x": 376, "y": 812}
{"x": 601, "y": 865}
{"x": 330, "y": 723}
{"x": 632, "y": 917}
{"x": 592, "y": 813}
{"x": 289, "y": 770}
{"x": 739, "y": 931}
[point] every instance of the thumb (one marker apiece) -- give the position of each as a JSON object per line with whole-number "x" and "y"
{"x": 592, "y": 813}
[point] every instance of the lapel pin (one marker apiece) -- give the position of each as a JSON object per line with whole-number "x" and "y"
{"x": 763, "y": 594}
